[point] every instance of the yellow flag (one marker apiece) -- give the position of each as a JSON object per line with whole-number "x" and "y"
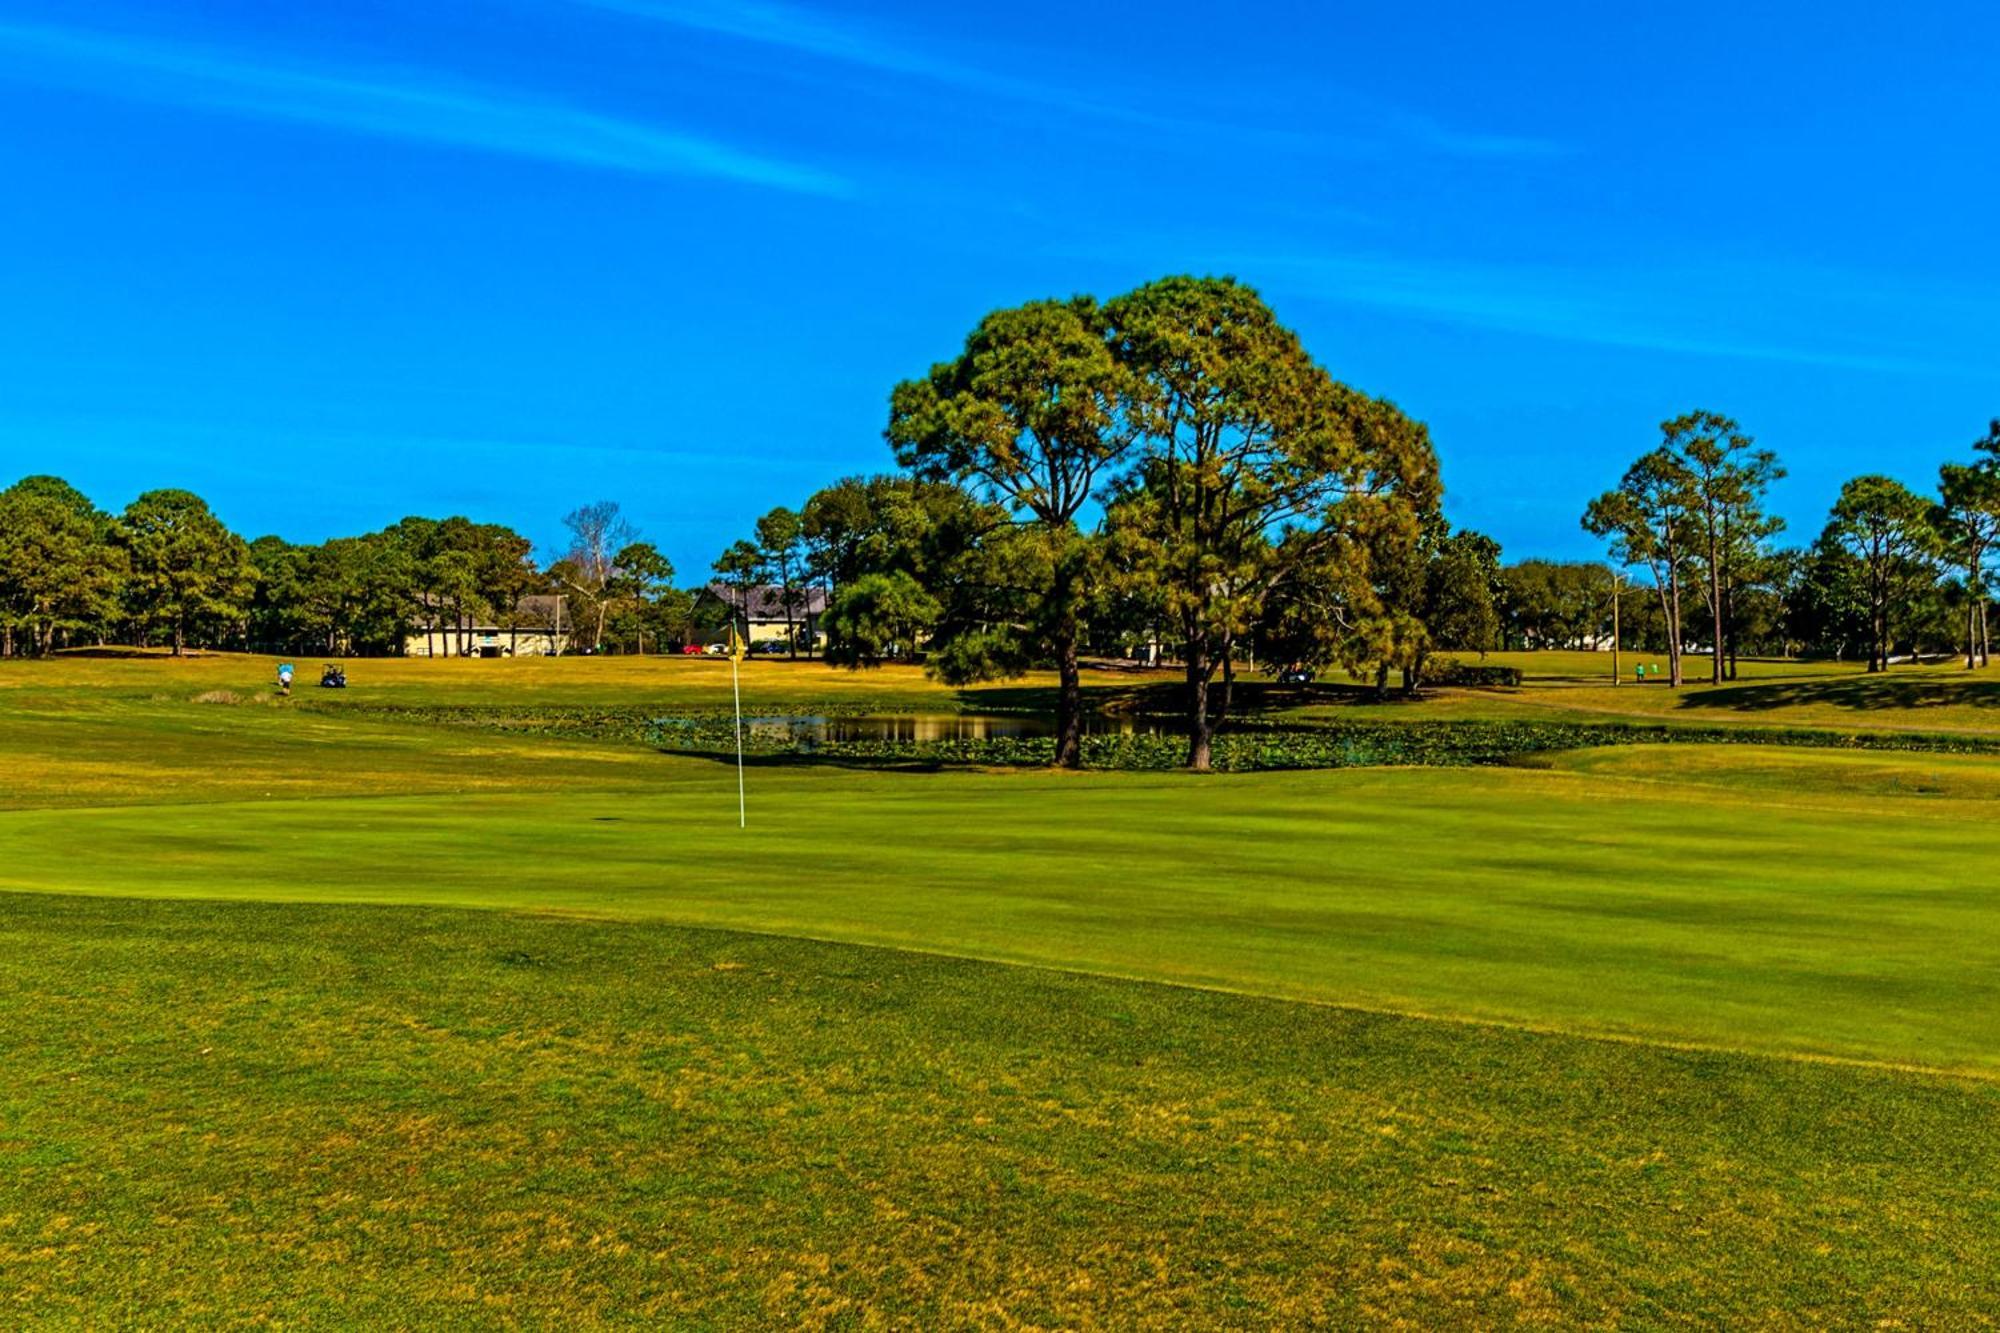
{"x": 736, "y": 645}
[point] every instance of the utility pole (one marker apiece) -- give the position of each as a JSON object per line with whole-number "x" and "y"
{"x": 558, "y": 633}
{"x": 1617, "y": 586}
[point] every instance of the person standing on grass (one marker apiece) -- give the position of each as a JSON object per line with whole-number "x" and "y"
{"x": 284, "y": 678}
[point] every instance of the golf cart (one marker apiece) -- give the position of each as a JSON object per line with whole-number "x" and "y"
{"x": 333, "y": 678}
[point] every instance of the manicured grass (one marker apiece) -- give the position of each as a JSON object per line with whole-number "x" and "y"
{"x": 262, "y": 1064}
{"x": 1741, "y": 918}
{"x": 406, "y": 1117}
{"x": 1937, "y": 696}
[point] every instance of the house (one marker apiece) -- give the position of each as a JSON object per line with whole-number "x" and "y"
{"x": 531, "y": 631}
{"x": 763, "y": 607}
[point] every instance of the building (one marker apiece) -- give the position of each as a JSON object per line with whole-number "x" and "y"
{"x": 531, "y": 631}
{"x": 763, "y": 606}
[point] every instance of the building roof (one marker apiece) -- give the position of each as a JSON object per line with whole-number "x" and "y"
{"x": 766, "y": 602}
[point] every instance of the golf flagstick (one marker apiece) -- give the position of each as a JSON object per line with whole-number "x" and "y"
{"x": 736, "y": 688}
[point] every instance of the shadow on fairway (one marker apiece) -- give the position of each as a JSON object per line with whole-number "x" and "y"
{"x": 1859, "y": 693}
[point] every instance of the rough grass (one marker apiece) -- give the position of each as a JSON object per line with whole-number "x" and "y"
{"x": 412, "y": 1118}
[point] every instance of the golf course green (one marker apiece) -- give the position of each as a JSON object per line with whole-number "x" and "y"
{"x": 368, "y": 1011}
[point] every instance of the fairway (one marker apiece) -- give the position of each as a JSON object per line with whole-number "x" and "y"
{"x": 645, "y": 992}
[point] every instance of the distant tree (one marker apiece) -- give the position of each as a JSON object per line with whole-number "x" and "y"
{"x": 1555, "y": 604}
{"x": 191, "y": 577}
{"x": 935, "y": 532}
{"x": 1254, "y": 464}
{"x": 597, "y": 532}
{"x": 1459, "y": 578}
{"x": 1649, "y": 521}
{"x": 781, "y": 543}
{"x": 1726, "y": 478}
{"x": 411, "y": 540}
{"x": 877, "y": 617}
{"x": 644, "y": 598}
{"x": 504, "y": 573}
{"x": 1887, "y": 529}
{"x": 455, "y": 562}
{"x": 740, "y": 569}
{"x": 834, "y": 523}
{"x": 59, "y": 571}
{"x": 1968, "y": 523}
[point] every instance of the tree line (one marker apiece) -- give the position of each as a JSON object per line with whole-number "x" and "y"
{"x": 1166, "y": 474}
{"x": 1892, "y": 573}
{"x": 166, "y": 571}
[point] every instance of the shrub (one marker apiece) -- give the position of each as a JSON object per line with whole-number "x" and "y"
{"x": 1451, "y": 671}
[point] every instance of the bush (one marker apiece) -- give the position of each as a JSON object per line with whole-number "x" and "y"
{"x": 1451, "y": 671}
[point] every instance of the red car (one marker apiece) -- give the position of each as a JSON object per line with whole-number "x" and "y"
{"x": 690, "y": 650}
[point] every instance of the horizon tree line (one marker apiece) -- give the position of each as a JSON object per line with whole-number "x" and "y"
{"x": 1890, "y": 568}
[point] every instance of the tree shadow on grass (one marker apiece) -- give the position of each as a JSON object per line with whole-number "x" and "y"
{"x": 1858, "y": 693}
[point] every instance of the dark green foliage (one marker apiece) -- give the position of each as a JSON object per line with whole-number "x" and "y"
{"x": 878, "y": 617}
{"x": 1452, "y": 671}
{"x": 928, "y": 551}
{"x": 1030, "y": 416}
{"x": 60, "y": 572}
{"x": 1256, "y": 469}
{"x": 1887, "y": 531}
{"x": 1557, "y": 604}
{"x": 190, "y": 579}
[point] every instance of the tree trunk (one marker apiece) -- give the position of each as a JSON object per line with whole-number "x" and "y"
{"x": 791, "y": 628}
{"x": 1228, "y": 680}
{"x": 1069, "y": 700}
{"x": 1670, "y": 611}
{"x": 180, "y": 639}
{"x": 1729, "y": 623}
{"x": 1715, "y": 617}
{"x": 1197, "y": 680}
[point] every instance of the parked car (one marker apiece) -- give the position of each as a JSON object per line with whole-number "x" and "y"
{"x": 770, "y": 647}
{"x": 716, "y": 650}
{"x": 691, "y": 650}
{"x": 1296, "y": 676}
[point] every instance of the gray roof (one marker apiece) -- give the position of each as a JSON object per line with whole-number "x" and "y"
{"x": 766, "y": 600}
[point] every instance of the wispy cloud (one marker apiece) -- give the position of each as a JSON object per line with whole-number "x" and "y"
{"x": 413, "y": 107}
{"x": 1775, "y": 313}
{"x": 804, "y": 31}
{"x": 1462, "y": 143}
{"x": 801, "y": 30}
{"x": 1609, "y": 309}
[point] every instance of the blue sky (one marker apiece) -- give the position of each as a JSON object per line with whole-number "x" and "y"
{"x": 329, "y": 264}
